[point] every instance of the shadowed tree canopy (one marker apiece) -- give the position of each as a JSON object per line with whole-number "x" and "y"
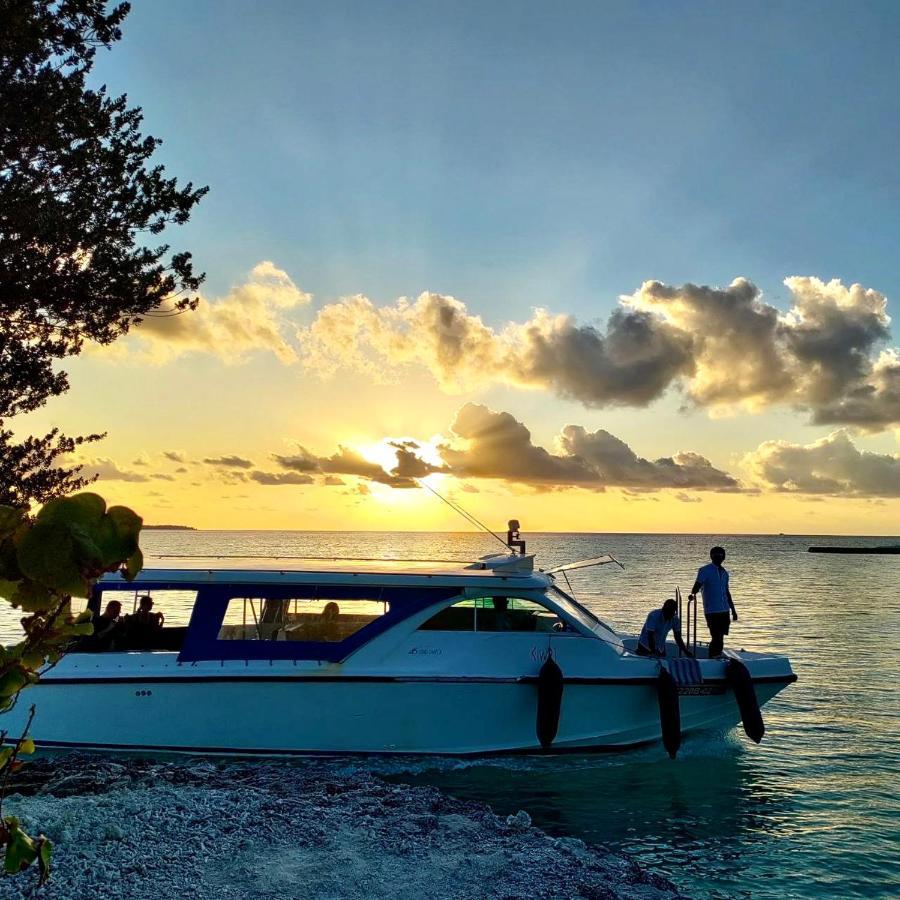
{"x": 82, "y": 210}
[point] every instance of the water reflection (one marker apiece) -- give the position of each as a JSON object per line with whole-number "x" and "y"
{"x": 694, "y": 818}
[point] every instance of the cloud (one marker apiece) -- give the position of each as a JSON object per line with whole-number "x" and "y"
{"x": 822, "y": 355}
{"x": 833, "y": 465}
{"x": 250, "y": 318}
{"x": 482, "y": 443}
{"x": 107, "y": 470}
{"x": 488, "y": 444}
{"x": 496, "y": 445}
{"x": 409, "y": 465}
{"x": 832, "y": 332}
{"x": 332, "y": 481}
{"x": 733, "y": 339}
{"x": 617, "y": 464}
{"x": 872, "y": 403}
{"x": 345, "y": 461}
{"x": 722, "y": 347}
{"x": 281, "y": 478}
{"x": 229, "y": 462}
{"x": 177, "y": 456}
{"x": 633, "y": 362}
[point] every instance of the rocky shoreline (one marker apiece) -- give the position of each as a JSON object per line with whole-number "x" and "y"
{"x": 131, "y": 829}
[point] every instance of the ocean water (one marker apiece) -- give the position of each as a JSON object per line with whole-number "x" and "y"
{"x": 814, "y": 811}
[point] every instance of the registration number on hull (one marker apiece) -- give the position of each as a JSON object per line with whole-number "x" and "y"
{"x": 700, "y": 690}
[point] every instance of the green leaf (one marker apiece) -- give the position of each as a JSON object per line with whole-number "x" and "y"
{"x": 11, "y": 682}
{"x": 34, "y": 659}
{"x": 47, "y": 555}
{"x": 45, "y": 852}
{"x": 26, "y": 746}
{"x": 20, "y": 850}
{"x": 9, "y": 560}
{"x": 10, "y": 519}
{"x": 8, "y": 589}
{"x": 85, "y": 510}
{"x": 118, "y": 534}
{"x": 87, "y": 554}
{"x": 5, "y": 756}
{"x": 133, "y": 565}
{"x": 127, "y": 521}
{"x": 33, "y": 597}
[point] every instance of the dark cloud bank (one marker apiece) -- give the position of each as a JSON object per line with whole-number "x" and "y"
{"x": 485, "y": 444}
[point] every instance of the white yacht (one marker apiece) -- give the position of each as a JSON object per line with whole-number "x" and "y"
{"x": 294, "y": 657}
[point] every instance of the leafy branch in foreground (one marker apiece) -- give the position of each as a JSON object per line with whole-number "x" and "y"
{"x": 45, "y": 561}
{"x": 21, "y": 849}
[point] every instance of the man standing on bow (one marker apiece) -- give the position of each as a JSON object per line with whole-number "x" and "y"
{"x": 718, "y": 607}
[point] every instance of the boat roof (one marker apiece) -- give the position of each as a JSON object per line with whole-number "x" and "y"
{"x": 291, "y": 570}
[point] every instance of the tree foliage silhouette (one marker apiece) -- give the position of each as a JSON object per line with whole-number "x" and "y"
{"x": 81, "y": 211}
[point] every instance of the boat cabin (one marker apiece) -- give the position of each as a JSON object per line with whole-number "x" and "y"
{"x": 294, "y": 613}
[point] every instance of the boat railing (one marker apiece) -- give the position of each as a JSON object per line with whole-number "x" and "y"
{"x": 687, "y": 613}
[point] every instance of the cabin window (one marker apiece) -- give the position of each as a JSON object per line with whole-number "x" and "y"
{"x": 146, "y": 620}
{"x": 580, "y": 613}
{"x": 298, "y": 618}
{"x": 493, "y": 614}
{"x": 458, "y": 617}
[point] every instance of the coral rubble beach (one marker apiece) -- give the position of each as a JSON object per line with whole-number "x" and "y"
{"x": 128, "y": 828}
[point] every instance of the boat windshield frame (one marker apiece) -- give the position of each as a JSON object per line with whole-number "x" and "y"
{"x": 580, "y": 613}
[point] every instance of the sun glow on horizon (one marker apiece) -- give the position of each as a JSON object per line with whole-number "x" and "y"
{"x": 384, "y": 452}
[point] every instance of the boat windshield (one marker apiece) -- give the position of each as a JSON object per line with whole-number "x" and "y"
{"x": 578, "y": 612}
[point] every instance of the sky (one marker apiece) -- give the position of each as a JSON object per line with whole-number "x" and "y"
{"x": 598, "y": 266}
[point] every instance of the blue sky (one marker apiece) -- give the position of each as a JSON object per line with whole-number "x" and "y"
{"x": 515, "y": 154}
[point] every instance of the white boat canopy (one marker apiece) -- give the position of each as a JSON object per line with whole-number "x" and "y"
{"x": 584, "y": 564}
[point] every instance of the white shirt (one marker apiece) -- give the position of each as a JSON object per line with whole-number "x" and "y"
{"x": 713, "y": 581}
{"x": 659, "y": 627}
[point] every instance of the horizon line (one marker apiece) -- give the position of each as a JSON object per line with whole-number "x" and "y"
{"x": 535, "y": 532}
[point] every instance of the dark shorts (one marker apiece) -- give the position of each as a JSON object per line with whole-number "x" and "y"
{"x": 718, "y": 623}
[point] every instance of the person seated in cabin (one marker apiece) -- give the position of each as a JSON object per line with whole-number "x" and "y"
{"x": 659, "y": 623}
{"x": 107, "y": 626}
{"x": 144, "y": 627}
{"x": 328, "y": 622}
{"x": 502, "y": 620}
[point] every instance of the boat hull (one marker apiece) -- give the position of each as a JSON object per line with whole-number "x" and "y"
{"x": 317, "y": 715}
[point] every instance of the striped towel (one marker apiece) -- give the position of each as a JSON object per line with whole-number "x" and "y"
{"x": 685, "y": 670}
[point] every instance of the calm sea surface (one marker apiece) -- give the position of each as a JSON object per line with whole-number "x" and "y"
{"x": 812, "y": 812}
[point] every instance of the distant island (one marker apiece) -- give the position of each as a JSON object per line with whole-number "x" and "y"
{"x": 168, "y": 528}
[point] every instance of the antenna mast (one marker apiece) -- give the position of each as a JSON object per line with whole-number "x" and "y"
{"x": 470, "y": 518}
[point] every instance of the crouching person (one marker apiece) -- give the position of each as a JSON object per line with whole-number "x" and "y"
{"x": 660, "y": 622}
